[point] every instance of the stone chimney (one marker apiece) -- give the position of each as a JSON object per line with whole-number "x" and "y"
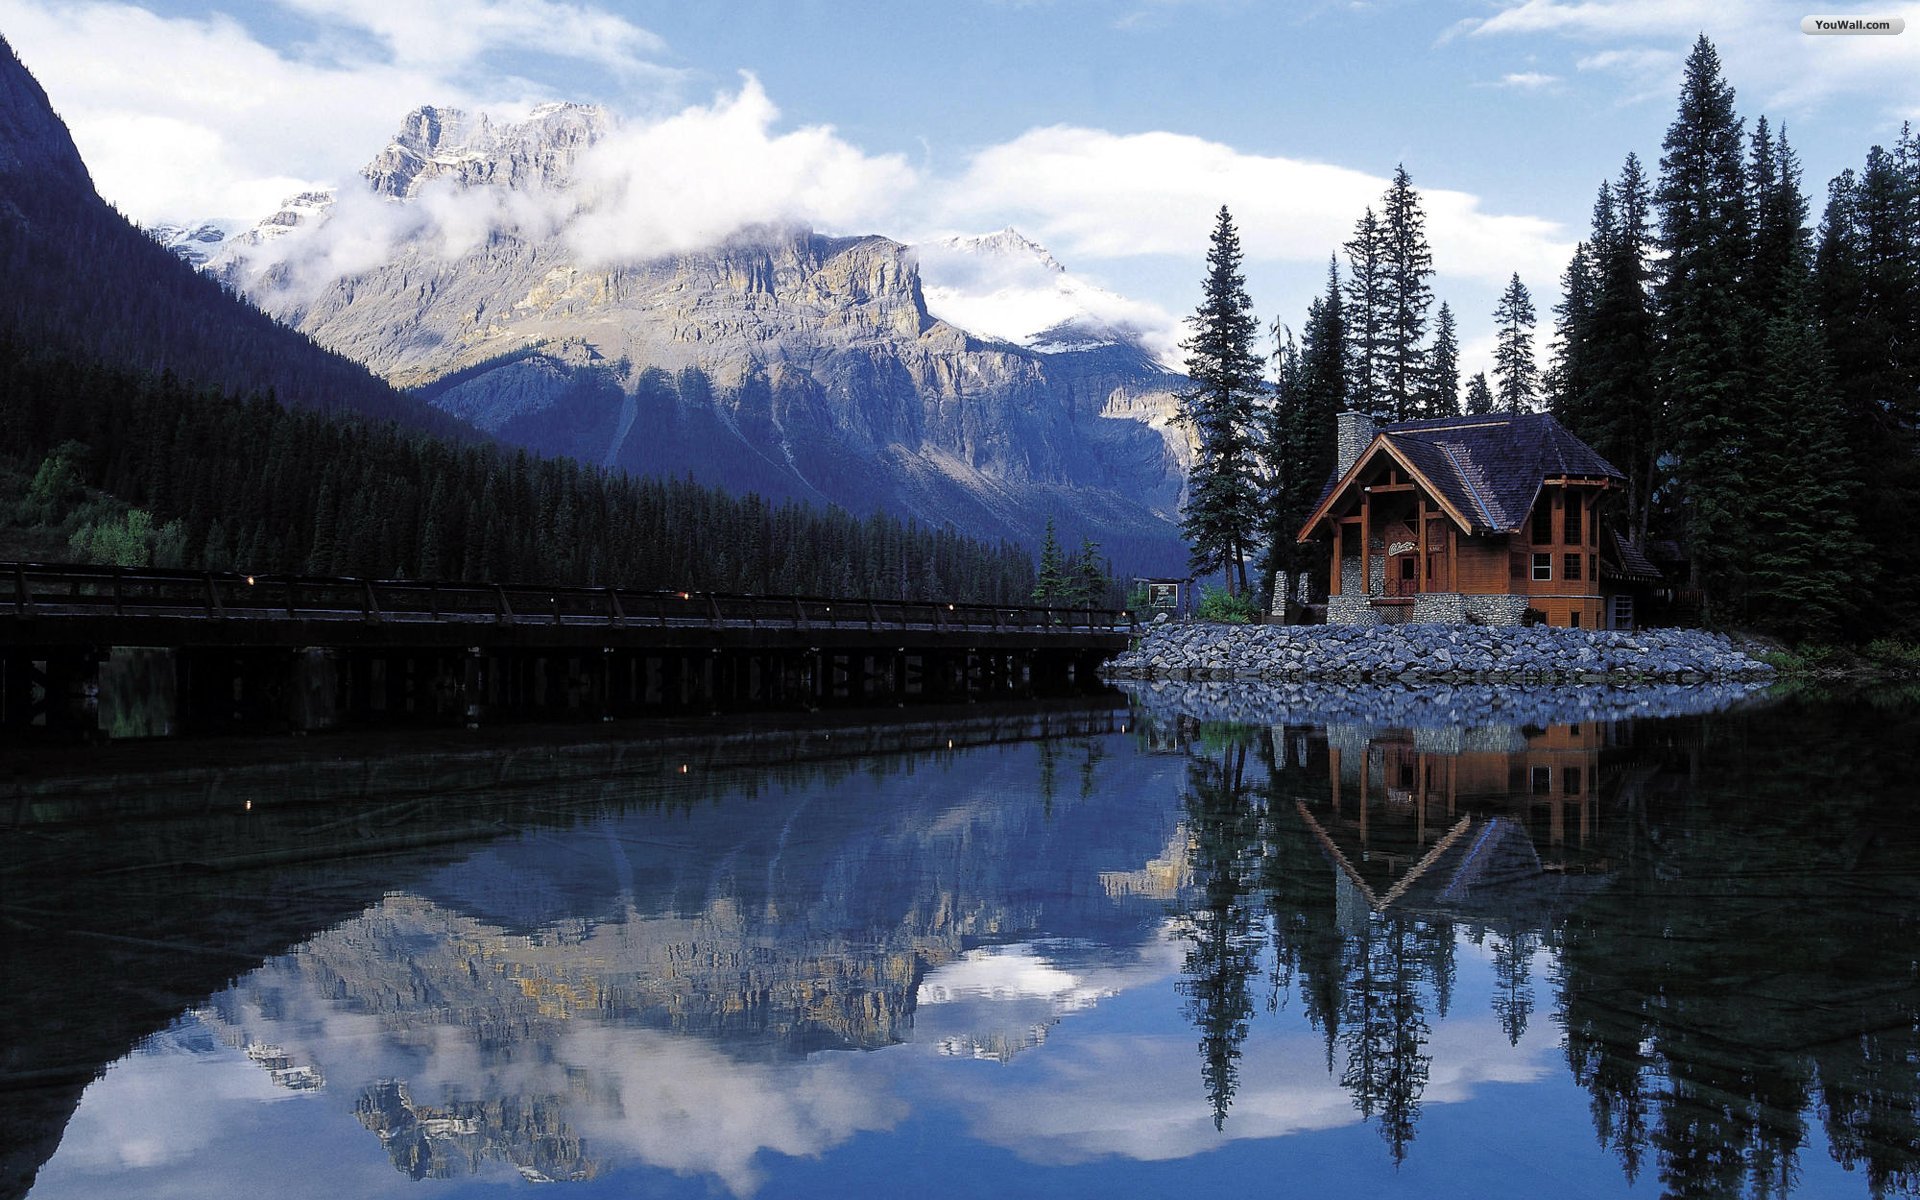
{"x": 1356, "y": 429}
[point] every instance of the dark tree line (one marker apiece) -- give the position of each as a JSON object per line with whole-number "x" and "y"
{"x": 249, "y": 484}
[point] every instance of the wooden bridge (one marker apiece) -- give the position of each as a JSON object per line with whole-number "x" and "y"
{"x": 88, "y": 649}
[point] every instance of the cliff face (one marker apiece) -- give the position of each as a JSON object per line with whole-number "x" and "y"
{"x": 796, "y": 364}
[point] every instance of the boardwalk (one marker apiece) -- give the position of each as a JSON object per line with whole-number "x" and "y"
{"x": 267, "y": 651}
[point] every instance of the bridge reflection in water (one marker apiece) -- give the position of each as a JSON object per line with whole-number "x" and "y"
{"x": 758, "y": 972}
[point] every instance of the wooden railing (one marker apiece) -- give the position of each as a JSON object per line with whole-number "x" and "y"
{"x": 47, "y": 589}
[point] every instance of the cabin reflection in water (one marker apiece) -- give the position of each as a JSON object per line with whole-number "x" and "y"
{"x": 1424, "y": 815}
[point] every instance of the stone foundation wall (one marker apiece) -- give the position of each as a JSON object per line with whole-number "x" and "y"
{"x": 1349, "y": 609}
{"x": 1440, "y": 608}
{"x": 1496, "y": 609}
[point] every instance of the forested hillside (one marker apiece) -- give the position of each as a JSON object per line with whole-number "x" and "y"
{"x": 248, "y": 484}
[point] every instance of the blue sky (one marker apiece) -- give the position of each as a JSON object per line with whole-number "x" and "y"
{"x": 1108, "y": 131}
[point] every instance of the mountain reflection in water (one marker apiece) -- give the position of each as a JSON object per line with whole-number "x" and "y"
{"x": 1202, "y": 942}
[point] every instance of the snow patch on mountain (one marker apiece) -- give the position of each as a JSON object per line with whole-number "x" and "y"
{"x": 196, "y": 243}
{"x": 1004, "y": 285}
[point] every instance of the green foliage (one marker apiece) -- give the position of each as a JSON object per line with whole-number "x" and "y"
{"x": 130, "y": 541}
{"x": 1218, "y": 604}
{"x": 1894, "y": 654}
{"x": 57, "y": 482}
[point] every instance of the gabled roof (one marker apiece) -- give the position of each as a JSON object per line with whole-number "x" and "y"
{"x": 1487, "y": 468}
{"x": 1628, "y": 560}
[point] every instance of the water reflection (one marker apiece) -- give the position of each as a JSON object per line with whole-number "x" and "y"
{"x": 1198, "y": 945}
{"x": 1719, "y": 917}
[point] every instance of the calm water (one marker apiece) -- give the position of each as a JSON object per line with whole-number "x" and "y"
{"x": 1312, "y": 944}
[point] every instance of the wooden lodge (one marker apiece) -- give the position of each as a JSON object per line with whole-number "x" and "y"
{"x": 1475, "y": 519}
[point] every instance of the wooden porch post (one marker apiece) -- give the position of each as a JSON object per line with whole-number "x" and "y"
{"x": 1333, "y": 580}
{"x": 1366, "y": 542}
{"x": 1420, "y": 572}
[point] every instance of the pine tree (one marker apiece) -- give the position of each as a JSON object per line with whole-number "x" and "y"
{"x": 1089, "y": 581}
{"x": 1050, "y": 581}
{"x": 1223, "y": 501}
{"x": 1440, "y": 389}
{"x": 1619, "y": 414}
{"x": 1868, "y": 303}
{"x": 1705, "y": 330}
{"x": 1310, "y": 391}
{"x": 1407, "y": 264}
{"x": 1367, "y": 320}
{"x": 1569, "y": 382}
{"x": 1519, "y": 380}
{"x": 1479, "y": 395}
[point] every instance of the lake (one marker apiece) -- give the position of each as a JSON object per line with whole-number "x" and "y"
{"x": 1197, "y": 940}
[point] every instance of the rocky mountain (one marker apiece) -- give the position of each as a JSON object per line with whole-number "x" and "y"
{"x": 87, "y": 286}
{"x": 782, "y": 360}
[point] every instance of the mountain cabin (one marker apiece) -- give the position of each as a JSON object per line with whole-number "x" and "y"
{"x": 1475, "y": 519}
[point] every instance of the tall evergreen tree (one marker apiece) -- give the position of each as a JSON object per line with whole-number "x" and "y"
{"x": 1222, "y": 513}
{"x": 1367, "y": 319}
{"x": 1867, "y": 299}
{"x": 1050, "y": 579}
{"x": 1407, "y": 264}
{"x": 1519, "y": 379}
{"x": 1309, "y": 392}
{"x": 1440, "y": 390}
{"x": 1705, "y": 329}
{"x": 1479, "y": 396}
{"x": 1619, "y": 413}
{"x": 1569, "y": 382}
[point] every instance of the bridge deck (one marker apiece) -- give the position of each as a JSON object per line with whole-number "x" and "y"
{"x": 63, "y": 604}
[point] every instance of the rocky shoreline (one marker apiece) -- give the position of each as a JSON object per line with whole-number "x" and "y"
{"x": 1433, "y": 654}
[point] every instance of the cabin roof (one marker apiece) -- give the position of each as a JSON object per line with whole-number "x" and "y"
{"x": 1628, "y": 560}
{"x": 1489, "y": 467}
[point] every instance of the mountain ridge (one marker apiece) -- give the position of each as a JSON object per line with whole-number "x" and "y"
{"x": 813, "y": 365}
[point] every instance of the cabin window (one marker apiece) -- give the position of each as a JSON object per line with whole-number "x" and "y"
{"x": 1543, "y": 566}
{"x": 1573, "y": 564}
{"x": 1543, "y": 520}
{"x": 1541, "y": 779}
{"x": 1573, "y": 521}
{"x": 1623, "y": 612}
{"x": 1573, "y": 620}
{"x": 1570, "y": 781}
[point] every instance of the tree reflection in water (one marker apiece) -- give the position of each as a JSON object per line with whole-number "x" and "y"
{"x": 1717, "y": 913}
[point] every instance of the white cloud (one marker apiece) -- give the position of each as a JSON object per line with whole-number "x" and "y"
{"x": 694, "y": 178}
{"x": 184, "y": 118}
{"x": 450, "y": 34}
{"x": 1528, "y": 80}
{"x": 1775, "y": 66}
{"x": 1091, "y": 193}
